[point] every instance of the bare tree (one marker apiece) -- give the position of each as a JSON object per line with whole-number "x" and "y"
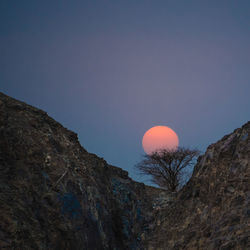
{"x": 167, "y": 167}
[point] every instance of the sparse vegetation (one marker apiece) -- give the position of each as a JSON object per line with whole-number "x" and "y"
{"x": 168, "y": 168}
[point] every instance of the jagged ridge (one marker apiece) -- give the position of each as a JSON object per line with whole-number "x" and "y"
{"x": 56, "y": 195}
{"x": 212, "y": 211}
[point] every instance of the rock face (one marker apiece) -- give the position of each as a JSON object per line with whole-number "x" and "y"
{"x": 212, "y": 211}
{"x": 56, "y": 195}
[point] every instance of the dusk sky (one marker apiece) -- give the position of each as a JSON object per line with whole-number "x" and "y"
{"x": 110, "y": 70}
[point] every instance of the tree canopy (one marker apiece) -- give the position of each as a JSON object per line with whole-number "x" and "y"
{"x": 167, "y": 167}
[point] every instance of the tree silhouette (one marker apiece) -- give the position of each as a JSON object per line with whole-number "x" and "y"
{"x": 167, "y": 167}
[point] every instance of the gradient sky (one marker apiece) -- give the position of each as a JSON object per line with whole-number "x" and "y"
{"x": 110, "y": 70}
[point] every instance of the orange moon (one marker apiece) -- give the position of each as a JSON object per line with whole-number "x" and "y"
{"x": 158, "y": 138}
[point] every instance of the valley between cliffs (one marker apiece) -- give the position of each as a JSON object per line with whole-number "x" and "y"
{"x": 56, "y": 195}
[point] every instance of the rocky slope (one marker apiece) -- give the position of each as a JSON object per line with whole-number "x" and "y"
{"x": 56, "y": 195}
{"x": 212, "y": 211}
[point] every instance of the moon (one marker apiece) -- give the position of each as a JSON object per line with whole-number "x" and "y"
{"x": 158, "y": 138}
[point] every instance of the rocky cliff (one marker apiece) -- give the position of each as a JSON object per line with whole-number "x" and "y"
{"x": 212, "y": 211}
{"x": 56, "y": 195}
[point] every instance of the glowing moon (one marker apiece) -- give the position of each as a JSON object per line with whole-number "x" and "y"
{"x": 158, "y": 138}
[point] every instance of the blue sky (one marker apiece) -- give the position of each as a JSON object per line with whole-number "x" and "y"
{"x": 110, "y": 70}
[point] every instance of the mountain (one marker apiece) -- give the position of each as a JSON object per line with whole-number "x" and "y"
{"x": 56, "y": 195}
{"x": 212, "y": 211}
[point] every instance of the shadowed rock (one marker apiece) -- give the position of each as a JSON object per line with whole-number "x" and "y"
{"x": 56, "y": 195}
{"x": 212, "y": 210}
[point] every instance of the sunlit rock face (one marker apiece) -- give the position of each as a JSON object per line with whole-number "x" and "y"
{"x": 212, "y": 211}
{"x": 56, "y": 195}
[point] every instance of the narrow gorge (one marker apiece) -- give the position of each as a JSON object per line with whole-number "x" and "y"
{"x": 56, "y": 195}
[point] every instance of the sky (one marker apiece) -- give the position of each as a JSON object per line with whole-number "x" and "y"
{"x": 110, "y": 70}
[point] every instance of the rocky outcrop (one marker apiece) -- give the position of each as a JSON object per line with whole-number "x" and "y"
{"x": 212, "y": 211}
{"x": 56, "y": 195}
